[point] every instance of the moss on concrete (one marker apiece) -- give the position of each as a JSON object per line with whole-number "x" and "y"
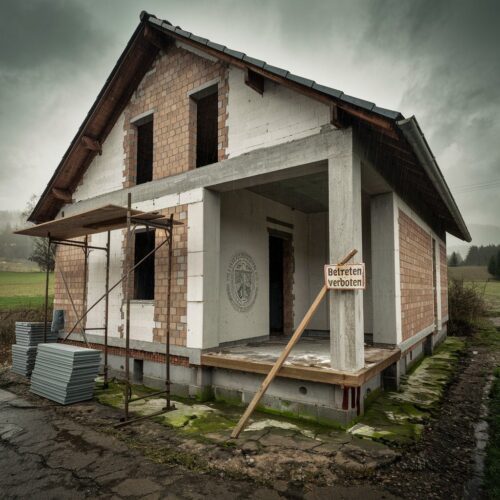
{"x": 397, "y": 418}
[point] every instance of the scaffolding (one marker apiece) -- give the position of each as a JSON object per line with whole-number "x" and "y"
{"x": 60, "y": 232}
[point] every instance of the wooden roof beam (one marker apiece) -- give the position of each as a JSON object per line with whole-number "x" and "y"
{"x": 92, "y": 144}
{"x": 62, "y": 194}
{"x": 154, "y": 37}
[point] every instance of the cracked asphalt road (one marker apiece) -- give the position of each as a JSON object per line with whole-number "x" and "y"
{"x": 44, "y": 456}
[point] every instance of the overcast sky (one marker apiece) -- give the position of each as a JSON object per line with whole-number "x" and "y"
{"x": 438, "y": 60}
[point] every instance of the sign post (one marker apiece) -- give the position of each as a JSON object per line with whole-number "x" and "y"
{"x": 345, "y": 277}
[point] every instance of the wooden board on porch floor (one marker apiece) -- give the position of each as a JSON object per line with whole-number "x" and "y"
{"x": 309, "y": 360}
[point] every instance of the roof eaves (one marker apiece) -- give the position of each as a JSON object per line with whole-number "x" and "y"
{"x": 412, "y": 132}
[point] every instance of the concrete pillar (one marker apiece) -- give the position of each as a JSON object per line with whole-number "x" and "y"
{"x": 346, "y": 307}
{"x": 385, "y": 269}
{"x": 203, "y": 272}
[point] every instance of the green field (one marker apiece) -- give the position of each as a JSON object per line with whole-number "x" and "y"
{"x": 18, "y": 289}
{"x": 483, "y": 280}
{"x": 469, "y": 273}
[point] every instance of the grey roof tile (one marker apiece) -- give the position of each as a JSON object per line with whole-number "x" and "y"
{"x": 255, "y": 62}
{"x": 216, "y": 46}
{"x": 388, "y": 113}
{"x": 277, "y": 71}
{"x": 327, "y": 90}
{"x": 234, "y": 53}
{"x": 357, "y": 102}
{"x": 181, "y": 32}
{"x": 199, "y": 39}
{"x": 299, "y": 79}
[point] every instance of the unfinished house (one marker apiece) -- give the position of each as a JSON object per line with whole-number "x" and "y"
{"x": 268, "y": 176}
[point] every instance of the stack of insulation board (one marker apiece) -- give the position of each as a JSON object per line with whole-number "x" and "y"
{"x": 65, "y": 373}
{"x": 28, "y": 336}
{"x": 31, "y": 334}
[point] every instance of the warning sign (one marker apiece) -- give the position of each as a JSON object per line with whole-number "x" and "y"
{"x": 345, "y": 277}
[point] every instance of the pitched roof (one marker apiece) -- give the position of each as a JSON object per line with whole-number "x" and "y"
{"x": 387, "y": 127}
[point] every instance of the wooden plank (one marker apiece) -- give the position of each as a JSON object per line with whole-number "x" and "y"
{"x": 310, "y": 373}
{"x": 279, "y": 362}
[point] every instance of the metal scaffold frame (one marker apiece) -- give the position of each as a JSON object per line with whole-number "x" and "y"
{"x": 111, "y": 217}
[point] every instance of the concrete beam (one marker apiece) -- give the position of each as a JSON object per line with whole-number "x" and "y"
{"x": 292, "y": 159}
{"x": 346, "y": 307}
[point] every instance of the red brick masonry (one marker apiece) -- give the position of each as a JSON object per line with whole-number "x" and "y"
{"x": 415, "y": 257}
{"x": 147, "y": 356}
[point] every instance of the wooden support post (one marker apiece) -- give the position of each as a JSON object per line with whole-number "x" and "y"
{"x": 279, "y": 362}
{"x": 127, "y": 310}
{"x": 47, "y": 275}
{"x": 106, "y": 313}
{"x": 169, "y": 301}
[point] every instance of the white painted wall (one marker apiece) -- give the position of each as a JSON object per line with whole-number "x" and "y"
{"x": 244, "y": 228}
{"x": 105, "y": 173}
{"x": 279, "y": 115}
{"x": 318, "y": 257}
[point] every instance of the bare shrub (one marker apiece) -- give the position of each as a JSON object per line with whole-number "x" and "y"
{"x": 466, "y": 305}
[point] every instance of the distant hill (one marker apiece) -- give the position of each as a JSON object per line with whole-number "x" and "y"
{"x": 481, "y": 235}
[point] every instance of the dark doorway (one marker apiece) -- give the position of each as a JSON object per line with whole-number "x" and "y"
{"x": 144, "y": 275}
{"x": 276, "y": 295}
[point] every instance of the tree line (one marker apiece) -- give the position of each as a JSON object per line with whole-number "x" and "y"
{"x": 484, "y": 255}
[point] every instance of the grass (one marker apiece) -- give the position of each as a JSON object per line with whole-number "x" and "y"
{"x": 469, "y": 273}
{"x": 23, "y": 289}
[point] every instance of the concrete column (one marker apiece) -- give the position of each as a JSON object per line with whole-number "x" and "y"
{"x": 385, "y": 269}
{"x": 346, "y": 307}
{"x": 203, "y": 272}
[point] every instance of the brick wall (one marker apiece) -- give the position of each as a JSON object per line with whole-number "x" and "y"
{"x": 69, "y": 260}
{"x": 164, "y": 90}
{"x": 178, "y": 306}
{"x": 415, "y": 258}
{"x": 444, "y": 280}
{"x": 156, "y": 357}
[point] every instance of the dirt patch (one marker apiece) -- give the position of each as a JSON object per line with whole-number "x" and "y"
{"x": 441, "y": 463}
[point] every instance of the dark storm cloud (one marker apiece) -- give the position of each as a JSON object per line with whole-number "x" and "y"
{"x": 33, "y": 34}
{"x": 437, "y": 60}
{"x": 46, "y": 50}
{"x": 451, "y": 50}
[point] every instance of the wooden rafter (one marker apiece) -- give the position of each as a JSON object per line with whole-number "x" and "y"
{"x": 92, "y": 144}
{"x": 62, "y": 194}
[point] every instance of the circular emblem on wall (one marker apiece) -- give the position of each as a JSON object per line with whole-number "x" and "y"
{"x": 241, "y": 281}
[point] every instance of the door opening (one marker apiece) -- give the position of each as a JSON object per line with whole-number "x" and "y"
{"x": 276, "y": 312}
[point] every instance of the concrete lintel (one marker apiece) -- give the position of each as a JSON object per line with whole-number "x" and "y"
{"x": 194, "y": 355}
{"x": 262, "y": 165}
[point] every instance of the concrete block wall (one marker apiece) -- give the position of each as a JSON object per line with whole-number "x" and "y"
{"x": 278, "y": 115}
